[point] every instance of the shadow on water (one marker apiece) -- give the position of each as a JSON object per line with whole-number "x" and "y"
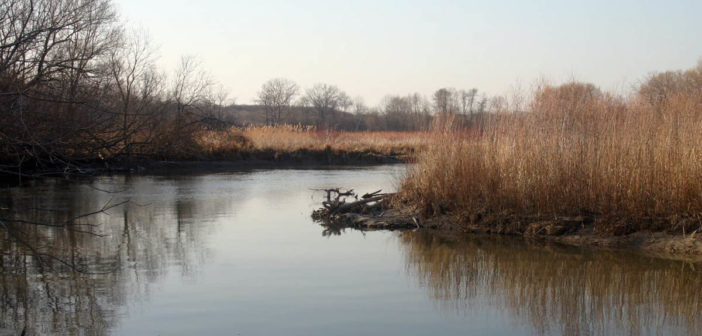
{"x": 557, "y": 290}
{"x": 158, "y": 231}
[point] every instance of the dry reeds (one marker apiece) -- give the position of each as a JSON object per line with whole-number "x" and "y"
{"x": 291, "y": 138}
{"x": 578, "y": 151}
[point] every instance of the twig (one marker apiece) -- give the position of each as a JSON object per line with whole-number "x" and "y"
{"x": 103, "y": 210}
{"x": 107, "y": 191}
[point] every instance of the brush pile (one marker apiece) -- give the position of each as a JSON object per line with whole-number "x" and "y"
{"x": 370, "y": 211}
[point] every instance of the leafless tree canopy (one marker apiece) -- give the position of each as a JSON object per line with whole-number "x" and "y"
{"x": 326, "y": 100}
{"x": 54, "y": 58}
{"x": 276, "y": 97}
{"x": 74, "y": 86}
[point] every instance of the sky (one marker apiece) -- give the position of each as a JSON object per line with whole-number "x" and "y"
{"x": 372, "y": 48}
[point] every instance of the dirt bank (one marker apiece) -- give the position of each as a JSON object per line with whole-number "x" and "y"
{"x": 261, "y": 159}
{"x": 583, "y": 231}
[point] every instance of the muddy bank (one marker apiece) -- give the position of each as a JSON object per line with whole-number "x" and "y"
{"x": 275, "y": 159}
{"x": 580, "y": 231}
{"x": 260, "y": 159}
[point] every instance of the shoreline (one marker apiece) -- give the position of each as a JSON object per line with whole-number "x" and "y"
{"x": 273, "y": 159}
{"x": 264, "y": 159}
{"x": 573, "y": 232}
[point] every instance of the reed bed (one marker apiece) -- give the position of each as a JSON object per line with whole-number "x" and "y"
{"x": 290, "y": 138}
{"x": 634, "y": 160}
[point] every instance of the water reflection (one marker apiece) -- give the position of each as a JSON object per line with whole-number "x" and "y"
{"x": 238, "y": 232}
{"x": 160, "y": 230}
{"x": 228, "y": 253}
{"x": 557, "y": 290}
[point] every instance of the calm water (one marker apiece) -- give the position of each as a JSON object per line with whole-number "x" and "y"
{"x": 237, "y": 254}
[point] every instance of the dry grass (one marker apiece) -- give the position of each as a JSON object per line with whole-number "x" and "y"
{"x": 230, "y": 143}
{"x": 578, "y": 152}
{"x": 287, "y": 139}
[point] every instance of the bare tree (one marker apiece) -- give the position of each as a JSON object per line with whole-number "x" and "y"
{"x": 345, "y": 102}
{"x": 419, "y": 104}
{"x": 482, "y": 104}
{"x": 190, "y": 86}
{"x": 276, "y": 96}
{"x": 359, "y": 105}
{"x": 467, "y": 100}
{"x": 407, "y": 113}
{"x": 75, "y": 88}
{"x": 219, "y": 100}
{"x": 420, "y": 109}
{"x": 397, "y": 112}
{"x": 325, "y": 99}
{"x": 42, "y": 39}
{"x": 498, "y": 104}
{"x": 445, "y": 101}
{"x": 52, "y": 78}
{"x": 136, "y": 83}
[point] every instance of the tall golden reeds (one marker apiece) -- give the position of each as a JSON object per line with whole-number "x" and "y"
{"x": 577, "y": 151}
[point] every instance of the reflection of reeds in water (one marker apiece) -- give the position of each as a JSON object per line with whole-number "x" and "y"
{"x": 557, "y": 290}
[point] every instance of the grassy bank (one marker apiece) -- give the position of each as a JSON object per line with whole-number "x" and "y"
{"x": 290, "y": 142}
{"x": 259, "y": 146}
{"x": 622, "y": 164}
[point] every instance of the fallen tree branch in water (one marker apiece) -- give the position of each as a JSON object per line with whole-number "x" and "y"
{"x": 336, "y": 202}
{"x": 347, "y": 207}
{"x": 371, "y": 212}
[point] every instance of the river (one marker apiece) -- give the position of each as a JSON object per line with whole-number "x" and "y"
{"x": 236, "y": 253}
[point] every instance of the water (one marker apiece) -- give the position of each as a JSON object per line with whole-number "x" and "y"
{"x": 237, "y": 254}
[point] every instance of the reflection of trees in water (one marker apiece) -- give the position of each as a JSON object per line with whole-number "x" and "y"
{"x": 144, "y": 240}
{"x": 558, "y": 290}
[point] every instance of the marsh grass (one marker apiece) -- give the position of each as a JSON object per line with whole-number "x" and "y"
{"x": 288, "y": 139}
{"x": 635, "y": 161}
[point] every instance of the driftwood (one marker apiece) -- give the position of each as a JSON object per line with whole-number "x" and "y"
{"x": 338, "y": 202}
{"x": 344, "y": 209}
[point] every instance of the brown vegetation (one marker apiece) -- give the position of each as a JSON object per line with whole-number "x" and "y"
{"x": 625, "y": 163}
{"x": 291, "y": 138}
{"x": 258, "y": 141}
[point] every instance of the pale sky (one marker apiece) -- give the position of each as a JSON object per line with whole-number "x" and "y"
{"x": 374, "y": 48}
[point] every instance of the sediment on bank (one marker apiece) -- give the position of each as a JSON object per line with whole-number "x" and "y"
{"x": 346, "y": 210}
{"x": 241, "y": 160}
{"x": 268, "y": 160}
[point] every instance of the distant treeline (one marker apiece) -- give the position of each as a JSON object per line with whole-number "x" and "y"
{"x": 412, "y": 112}
{"x": 77, "y": 86}
{"x": 281, "y": 101}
